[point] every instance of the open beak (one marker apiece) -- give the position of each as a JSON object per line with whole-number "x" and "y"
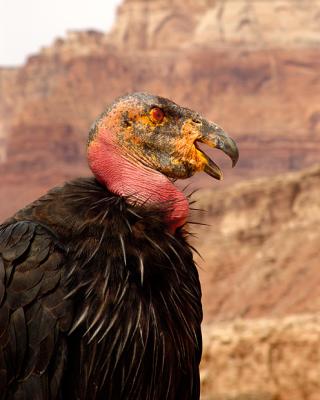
{"x": 214, "y": 136}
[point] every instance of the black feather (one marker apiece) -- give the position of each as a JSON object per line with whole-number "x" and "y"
{"x": 99, "y": 301}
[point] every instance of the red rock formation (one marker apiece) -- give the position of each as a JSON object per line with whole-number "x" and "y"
{"x": 236, "y": 62}
{"x": 260, "y": 283}
{"x": 144, "y": 24}
{"x": 262, "y": 359}
{"x": 239, "y": 63}
{"x": 261, "y": 247}
{"x": 253, "y": 67}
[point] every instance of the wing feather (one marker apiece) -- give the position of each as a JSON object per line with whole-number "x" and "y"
{"x": 34, "y": 314}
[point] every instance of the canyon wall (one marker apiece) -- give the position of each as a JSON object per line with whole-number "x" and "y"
{"x": 217, "y": 23}
{"x": 251, "y": 66}
{"x": 261, "y": 288}
{"x": 261, "y": 247}
{"x": 254, "y": 68}
{"x": 262, "y": 359}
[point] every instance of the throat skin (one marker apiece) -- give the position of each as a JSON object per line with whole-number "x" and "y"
{"x": 138, "y": 183}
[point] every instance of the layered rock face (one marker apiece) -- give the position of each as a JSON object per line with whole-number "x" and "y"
{"x": 260, "y": 283}
{"x": 160, "y": 24}
{"x": 261, "y": 247}
{"x": 253, "y": 67}
{"x": 262, "y": 359}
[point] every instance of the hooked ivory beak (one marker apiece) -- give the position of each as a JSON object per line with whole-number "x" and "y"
{"x": 214, "y": 136}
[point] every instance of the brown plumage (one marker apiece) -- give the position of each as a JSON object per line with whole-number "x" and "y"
{"x": 100, "y": 299}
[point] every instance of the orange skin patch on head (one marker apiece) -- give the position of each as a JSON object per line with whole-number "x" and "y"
{"x": 130, "y": 137}
{"x": 115, "y": 117}
{"x": 110, "y": 124}
{"x": 186, "y": 147}
{"x": 130, "y": 129}
{"x": 147, "y": 120}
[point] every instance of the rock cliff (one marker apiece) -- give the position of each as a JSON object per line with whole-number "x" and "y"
{"x": 267, "y": 96}
{"x": 262, "y": 359}
{"x": 216, "y": 23}
{"x": 261, "y": 289}
{"x": 253, "y": 67}
{"x": 261, "y": 248}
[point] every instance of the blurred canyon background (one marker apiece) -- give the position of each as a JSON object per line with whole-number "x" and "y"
{"x": 252, "y": 66}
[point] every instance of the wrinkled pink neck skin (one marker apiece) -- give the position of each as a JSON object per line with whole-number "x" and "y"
{"x": 141, "y": 184}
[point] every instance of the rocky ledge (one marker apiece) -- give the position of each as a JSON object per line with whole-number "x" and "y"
{"x": 262, "y": 359}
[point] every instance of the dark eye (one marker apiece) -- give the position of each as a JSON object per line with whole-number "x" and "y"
{"x": 157, "y": 115}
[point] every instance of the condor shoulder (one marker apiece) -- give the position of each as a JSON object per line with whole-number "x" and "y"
{"x": 34, "y": 314}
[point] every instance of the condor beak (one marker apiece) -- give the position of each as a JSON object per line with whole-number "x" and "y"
{"x": 214, "y": 136}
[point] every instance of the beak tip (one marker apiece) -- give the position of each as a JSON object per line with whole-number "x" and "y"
{"x": 234, "y": 162}
{"x": 228, "y": 146}
{"x": 234, "y": 153}
{"x": 214, "y": 136}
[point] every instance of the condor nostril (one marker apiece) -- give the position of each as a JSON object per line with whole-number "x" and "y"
{"x": 196, "y": 121}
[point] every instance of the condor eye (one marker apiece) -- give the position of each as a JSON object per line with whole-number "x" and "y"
{"x": 157, "y": 115}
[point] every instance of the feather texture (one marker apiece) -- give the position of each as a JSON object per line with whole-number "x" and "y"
{"x": 97, "y": 301}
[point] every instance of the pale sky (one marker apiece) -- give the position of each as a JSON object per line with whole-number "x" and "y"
{"x": 28, "y": 25}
